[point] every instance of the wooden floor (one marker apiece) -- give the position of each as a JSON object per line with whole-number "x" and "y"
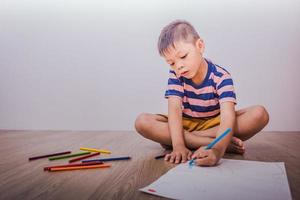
{"x": 21, "y": 179}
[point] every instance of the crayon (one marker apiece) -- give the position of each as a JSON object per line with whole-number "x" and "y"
{"x": 160, "y": 156}
{"x": 73, "y": 165}
{"x": 107, "y": 159}
{"x": 84, "y": 157}
{"x": 95, "y": 150}
{"x": 49, "y": 155}
{"x": 68, "y": 156}
{"x": 55, "y": 169}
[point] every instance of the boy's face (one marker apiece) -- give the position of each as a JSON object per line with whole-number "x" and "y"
{"x": 185, "y": 59}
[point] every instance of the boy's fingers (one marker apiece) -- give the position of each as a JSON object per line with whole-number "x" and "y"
{"x": 202, "y": 154}
{"x": 206, "y": 161}
{"x": 178, "y": 158}
{"x": 172, "y": 158}
{"x": 190, "y": 155}
{"x": 194, "y": 155}
{"x": 202, "y": 161}
{"x": 167, "y": 157}
{"x": 184, "y": 157}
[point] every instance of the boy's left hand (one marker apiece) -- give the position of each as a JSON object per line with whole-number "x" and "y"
{"x": 208, "y": 157}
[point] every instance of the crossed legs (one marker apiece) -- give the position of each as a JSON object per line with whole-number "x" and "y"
{"x": 249, "y": 121}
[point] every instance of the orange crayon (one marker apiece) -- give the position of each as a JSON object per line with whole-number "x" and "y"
{"x": 55, "y": 169}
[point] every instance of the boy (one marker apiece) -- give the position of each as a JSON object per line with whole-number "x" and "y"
{"x": 201, "y": 103}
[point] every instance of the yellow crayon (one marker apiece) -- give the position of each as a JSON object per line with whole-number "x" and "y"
{"x": 95, "y": 150}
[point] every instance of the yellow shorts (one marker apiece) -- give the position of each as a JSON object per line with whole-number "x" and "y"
{"x": 194, "y": 124}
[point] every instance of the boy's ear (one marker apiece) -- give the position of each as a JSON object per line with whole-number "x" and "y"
{"x": 200, "y": 45}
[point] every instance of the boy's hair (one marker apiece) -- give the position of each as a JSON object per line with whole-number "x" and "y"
{"x": 175, "y": 31}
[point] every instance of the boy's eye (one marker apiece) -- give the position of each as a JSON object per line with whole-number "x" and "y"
{"x": 182, "y": 57}
{"x": 171, "y": 64}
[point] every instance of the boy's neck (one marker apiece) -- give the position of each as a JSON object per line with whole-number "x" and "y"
{"x": 201, "y": 74}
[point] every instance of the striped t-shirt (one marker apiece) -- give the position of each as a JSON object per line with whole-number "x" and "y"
{"x": 203, "y": 100}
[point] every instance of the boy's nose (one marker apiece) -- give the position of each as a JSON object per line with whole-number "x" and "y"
{"x": 180, "y": 68}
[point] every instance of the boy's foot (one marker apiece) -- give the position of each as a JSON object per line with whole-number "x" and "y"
{"x": 236, "y": 146}
{"x": 166, "y": 147}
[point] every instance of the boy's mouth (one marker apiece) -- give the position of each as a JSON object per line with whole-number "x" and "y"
{"x": 184, "y": 73}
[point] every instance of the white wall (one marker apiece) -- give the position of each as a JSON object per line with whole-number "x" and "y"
{"x": 93, "y": 65}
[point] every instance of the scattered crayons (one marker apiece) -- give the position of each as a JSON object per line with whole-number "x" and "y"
{"x": 85, "y": 164}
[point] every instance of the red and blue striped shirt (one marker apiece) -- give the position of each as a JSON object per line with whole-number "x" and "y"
{"x": 203, "y": 100}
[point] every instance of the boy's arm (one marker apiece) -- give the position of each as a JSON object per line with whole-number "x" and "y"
{"x": 180, "y": 152}
{"x": 228, "y": 120}
{"x": 212, "y": 156}
{"x": 175, "y": 121}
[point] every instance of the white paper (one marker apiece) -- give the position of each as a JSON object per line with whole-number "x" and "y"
{"x": 231, "y": 179}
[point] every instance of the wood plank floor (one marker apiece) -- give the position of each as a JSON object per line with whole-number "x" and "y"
{"x": 21, "y": 179}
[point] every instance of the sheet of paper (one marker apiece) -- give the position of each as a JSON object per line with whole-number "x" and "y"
{"x": 231, "y": 179}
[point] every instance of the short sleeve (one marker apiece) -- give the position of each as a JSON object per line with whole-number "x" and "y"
{"x": 225, "y": 89}
{"x": 175, "y": 86}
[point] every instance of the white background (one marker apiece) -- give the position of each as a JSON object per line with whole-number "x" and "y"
{"x": 94, "y": 65}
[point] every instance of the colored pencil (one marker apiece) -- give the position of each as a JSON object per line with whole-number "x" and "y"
{"x": 84, "y": 157}
{"x": 107, "y": 159}
{"x": 73, "y": 165}
{"x": 210, "y": 145}
{"x": 160, "y": 156}
{"x": 55, "y": 169}
{"x": 95, "y": 150}
{"x": 68, "y": 156}
{"x": 49, "y": 155}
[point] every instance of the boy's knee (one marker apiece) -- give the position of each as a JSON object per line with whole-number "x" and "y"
{"x": 142, "y": 122}
{"x": 261, "y": 114}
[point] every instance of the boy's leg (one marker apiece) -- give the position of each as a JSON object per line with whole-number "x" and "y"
{"x": 249, "y": 121}
{"x": 155, "y": 127}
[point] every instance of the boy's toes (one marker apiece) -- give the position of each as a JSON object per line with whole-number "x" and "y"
{"x": 232, "y": 148}
{"x": 238, "y": 142}
{"x": 239, "y": 150}
{"x": 242, "y": 151}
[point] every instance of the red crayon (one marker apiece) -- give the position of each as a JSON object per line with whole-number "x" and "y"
{"x": 73, "y": 165}
{"x": 84, "y": 157}
{"x": 151, "y": 190}
{"x": 49, "y": 155}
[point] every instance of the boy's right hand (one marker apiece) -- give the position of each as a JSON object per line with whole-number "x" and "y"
{"x": 179, "y": 154}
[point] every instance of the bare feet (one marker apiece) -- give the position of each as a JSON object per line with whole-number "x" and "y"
{"x": 236, "y": 146}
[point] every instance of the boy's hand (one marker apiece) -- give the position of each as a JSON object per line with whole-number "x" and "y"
{"x": 179, "y": 154}
{"x": 208, "y": 157}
